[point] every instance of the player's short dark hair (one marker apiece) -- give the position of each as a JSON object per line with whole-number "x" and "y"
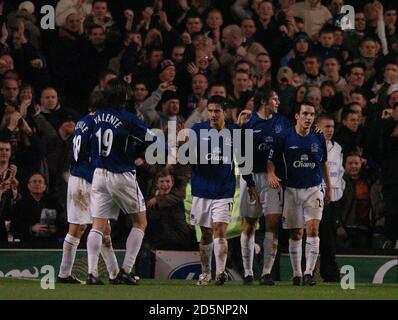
{"x": 304, "y": 103}
{"x": 218, "y": 100}
{"x": 115, "y": 94}
{"x": 261, "y": 95}
{"x": 95, "y": 100}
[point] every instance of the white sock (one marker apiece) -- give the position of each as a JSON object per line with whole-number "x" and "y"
{"x": 295, "y": 252}
{"x": 68, "y": 255}
{"x": 109, "y": 257}
{"x": 206, "y": 254}
{"x": 221, "y": 253}
{"x": 270, "y": 249}
{"x": 311, "y": 254}
{"x": 133, "y": 246}
{"x": 247, "y": 248}
{"x": 94, "y": 244}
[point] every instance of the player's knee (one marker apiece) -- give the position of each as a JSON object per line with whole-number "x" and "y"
{"x": 249, "y": 226}
{"x": 296, "y": 235}
{"x": 207, "y": 238}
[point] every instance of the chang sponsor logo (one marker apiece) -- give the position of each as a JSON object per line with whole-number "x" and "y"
{"x": 302, "y": 163}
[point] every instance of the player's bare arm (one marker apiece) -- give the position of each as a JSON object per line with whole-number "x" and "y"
{"x": 273, "y": 180}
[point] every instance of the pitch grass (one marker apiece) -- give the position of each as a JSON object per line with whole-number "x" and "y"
{"x": 16, "y": 289}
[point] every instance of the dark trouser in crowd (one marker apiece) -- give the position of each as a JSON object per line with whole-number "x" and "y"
{"x": 327, "y": 234}
{"x": 390, "y": 195}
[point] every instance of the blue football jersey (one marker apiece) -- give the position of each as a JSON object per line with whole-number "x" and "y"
{"x": 265, "y": 133}
{"x": 115, "y": 135}
{"x": 301, "y": 156}
{"x": 213, "y": 180}
{"x": 81, "y": 165}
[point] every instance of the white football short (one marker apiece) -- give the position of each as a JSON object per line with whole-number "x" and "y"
{"x": 271, "y": 200}
{"x": 301, "y": 205}
{"x": 78, "y": 201}
{"x": 112, "y": 192}
{"x": 205, "y": 212}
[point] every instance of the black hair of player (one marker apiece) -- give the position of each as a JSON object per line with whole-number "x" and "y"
{"x": 218, "y": 100}
{"x": 262, "y": 95}
{"x": 304, "y": 103}
{"x": 115, "y": 94}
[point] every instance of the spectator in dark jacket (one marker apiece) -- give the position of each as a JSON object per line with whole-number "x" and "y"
{"x": 8, "y": 187}
{"x": 37, "y": 216}
{"x": 167, "y": 226}
{"x": 349, "y": 136}
{"x": 390, "y": 175}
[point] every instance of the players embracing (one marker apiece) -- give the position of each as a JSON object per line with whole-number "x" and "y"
{"x": 303, "y": 154}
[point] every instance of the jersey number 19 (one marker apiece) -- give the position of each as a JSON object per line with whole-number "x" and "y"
{"x": 104, "y": 142}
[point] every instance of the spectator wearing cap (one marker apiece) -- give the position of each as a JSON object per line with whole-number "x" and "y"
{"x": 312, "y": 67}
{"x": 234, "y": 50}
{"x": 170, "y": 111}
{"x": 167, "y": 71}
{"x": 314, "y": 14}
{"x": 286, "y": 91}
{"x": 26, "y": 15}
{"x": 65, "y": 7}
{"x": 331, "y": 68}
{"x": 295, "y": 58}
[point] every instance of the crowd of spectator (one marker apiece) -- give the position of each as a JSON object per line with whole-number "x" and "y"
{"x": 175, "y": 54}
